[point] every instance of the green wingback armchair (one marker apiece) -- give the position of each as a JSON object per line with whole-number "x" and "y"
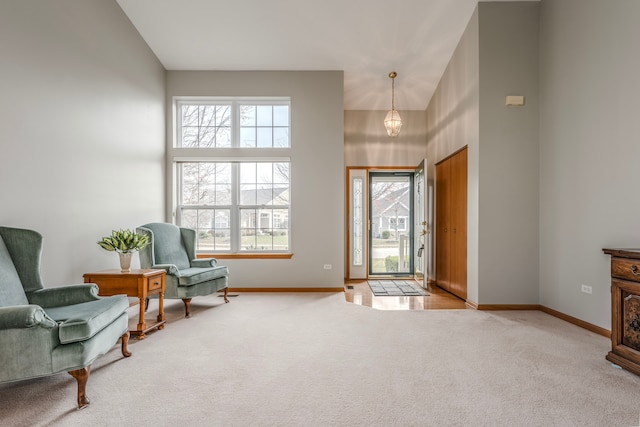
{"x": 44, "y": 331}
{"x": 173, "y": 249}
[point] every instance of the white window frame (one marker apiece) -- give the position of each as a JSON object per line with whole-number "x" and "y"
{"x": 234, "y": 103}
{"x": 234, "y": 154}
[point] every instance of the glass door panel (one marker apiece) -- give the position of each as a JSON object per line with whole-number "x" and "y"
{"x": 357, "y": 238}
{"x": 391, "y": 223}
{"x": 419, "y": 223}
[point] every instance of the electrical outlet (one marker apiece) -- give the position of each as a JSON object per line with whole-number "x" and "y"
{"x": 586, "y": 289}
{"x": 327, "y": 266}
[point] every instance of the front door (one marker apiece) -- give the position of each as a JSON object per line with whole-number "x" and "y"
{"x": 391, "y": 243}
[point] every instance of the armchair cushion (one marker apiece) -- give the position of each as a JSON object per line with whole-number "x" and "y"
{"x": 192, "y": 276}
{"x": 11, "y": 291}
{"x": 81, "y": 321}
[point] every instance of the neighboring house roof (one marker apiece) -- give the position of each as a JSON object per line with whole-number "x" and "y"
{"x": 266, "y": 196}
{"x": 387, "y": 205}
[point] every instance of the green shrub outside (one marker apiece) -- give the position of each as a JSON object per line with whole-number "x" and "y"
{"x": 391, "y": 263}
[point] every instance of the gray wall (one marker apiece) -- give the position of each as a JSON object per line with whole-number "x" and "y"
{"x": 508, "y": 155}
{"x": 366, "y": 142}
{"x": 453, "y": 121}
{"x": 81, "y": 129}
{"x": 589, "y": 149}
{"x": 317, "y": 170}
{"x": 497, "y": 56}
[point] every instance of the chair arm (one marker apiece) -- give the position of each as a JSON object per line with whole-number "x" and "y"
{"x": 23, "y": 317}
{"x": 204, "y": 262}
{"x": 64, "y": 295}
{"x": 169, "y": 268}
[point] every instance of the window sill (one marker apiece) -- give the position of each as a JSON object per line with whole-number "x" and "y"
{"x": 254, "y": 255}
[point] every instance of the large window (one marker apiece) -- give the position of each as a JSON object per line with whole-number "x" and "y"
{"x": 238, "y": 201}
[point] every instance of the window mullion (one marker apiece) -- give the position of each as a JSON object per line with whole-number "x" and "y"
{"x": 178, "y": 193}
{"x": 178, "y": 136}
{"x": 235, "y": 210}
{"x": 235, "y": 124}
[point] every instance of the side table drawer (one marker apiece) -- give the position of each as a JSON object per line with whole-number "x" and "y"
{"x": 626, "y": 269}
{"x": 155, "y": 283}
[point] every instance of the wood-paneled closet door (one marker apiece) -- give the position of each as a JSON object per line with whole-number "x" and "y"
{"x": 451, "y": 224}
{"x": 443, "y": 214}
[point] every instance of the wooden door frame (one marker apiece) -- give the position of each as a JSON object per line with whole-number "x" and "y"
{"x": 367, "y": 169}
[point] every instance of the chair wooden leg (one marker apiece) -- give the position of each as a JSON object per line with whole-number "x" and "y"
{"x": 81, "y": 376}
{"x": 226, "y": 294}
{"x": 125, "y": 343}
{"x": 187, "y": 307}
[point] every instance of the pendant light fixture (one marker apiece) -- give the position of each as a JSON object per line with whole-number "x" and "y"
{"x": 393, "y": 122}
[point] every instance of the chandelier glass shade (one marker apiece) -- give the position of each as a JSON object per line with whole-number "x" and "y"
{"x": 393, "y": 122}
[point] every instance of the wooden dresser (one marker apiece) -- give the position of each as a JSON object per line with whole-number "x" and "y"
{"x": 625, "y": 309}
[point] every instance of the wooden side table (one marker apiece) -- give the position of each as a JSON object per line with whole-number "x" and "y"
{"x": 136, "y": 283}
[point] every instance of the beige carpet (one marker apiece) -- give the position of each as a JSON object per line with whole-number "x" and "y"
{"x": 306, "y": 359}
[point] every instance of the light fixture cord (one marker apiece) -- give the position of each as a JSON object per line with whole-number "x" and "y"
{"x": 393, "y": 93}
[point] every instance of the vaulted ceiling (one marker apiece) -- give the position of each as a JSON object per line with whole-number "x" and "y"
{"x": 365, "y": 38}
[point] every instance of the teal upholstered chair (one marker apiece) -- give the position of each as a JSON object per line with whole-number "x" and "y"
{"x": 47, "y": 331}
{"x": 173, "y": 249}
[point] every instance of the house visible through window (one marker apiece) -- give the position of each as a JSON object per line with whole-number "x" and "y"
{"x": 399, "y": 223}
{"x": 237, "y": 200}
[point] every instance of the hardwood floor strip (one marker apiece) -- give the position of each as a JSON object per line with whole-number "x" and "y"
{"x": 438, "y": 299}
